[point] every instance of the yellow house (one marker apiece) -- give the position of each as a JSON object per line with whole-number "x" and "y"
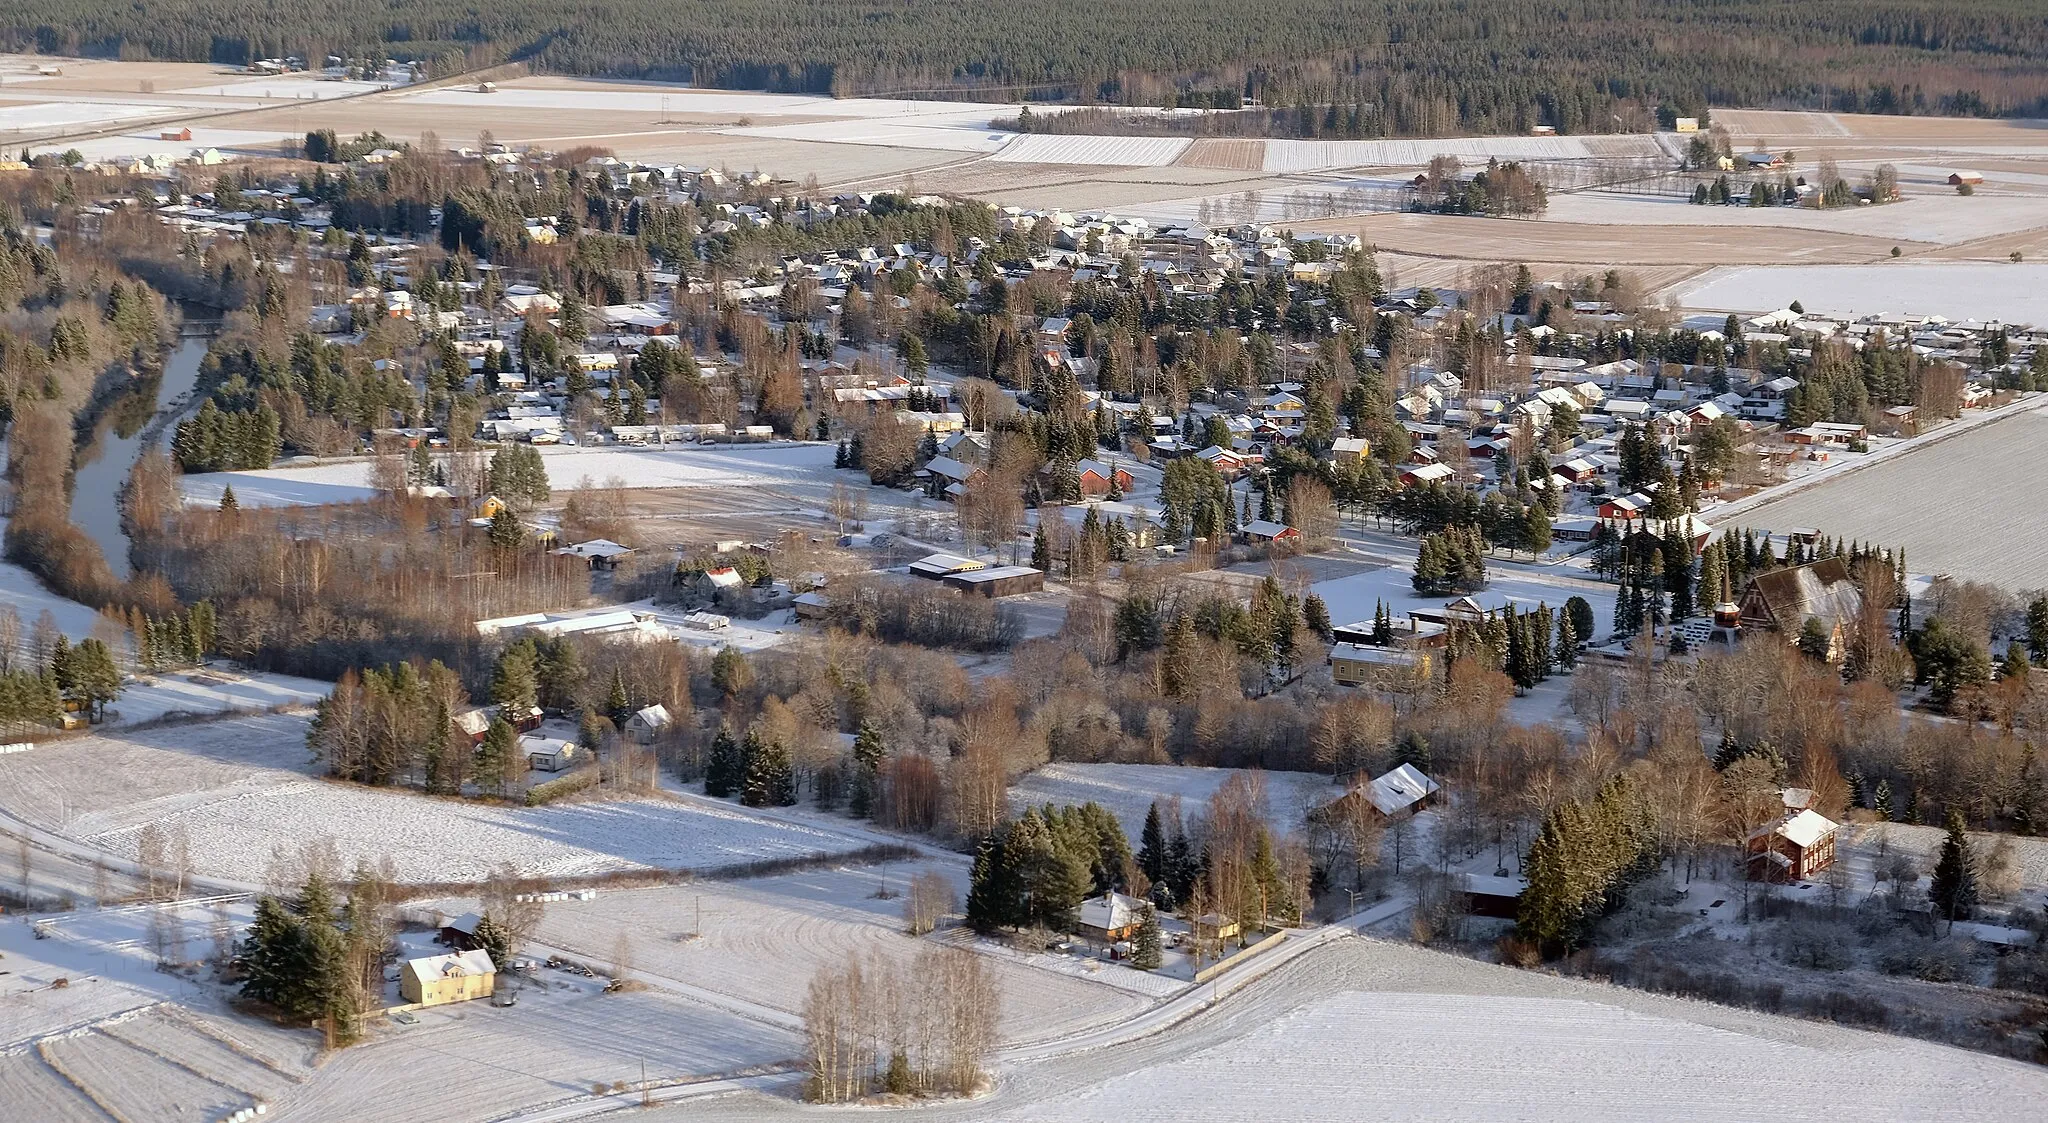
{"x": 456, "y": 977}
{"x": 489, "y": 506}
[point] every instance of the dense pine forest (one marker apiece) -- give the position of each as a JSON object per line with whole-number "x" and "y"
{"x": 1316, "y": 67}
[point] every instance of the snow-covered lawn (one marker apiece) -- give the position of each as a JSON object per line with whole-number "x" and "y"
{"x": 1957, "y": 290}
{"x": 242, "y": 790}
{"x": 1128, "y": 790}
{"x": 146, "y": 142}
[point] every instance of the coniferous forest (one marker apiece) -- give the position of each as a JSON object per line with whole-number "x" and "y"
{"x": 1310, "y": 67}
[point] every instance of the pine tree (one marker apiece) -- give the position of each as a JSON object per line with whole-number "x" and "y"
{"x": 1953, "y": 889}
{"x": 995, "y": 895}
{"x": 1041, "y": 550}
{"x": 227, "y": 499}
{"x": 495, "y": 941}
{"x": 1882, "y": 803}
{"x": 725, "y": 767}
{"x": 1145, "y": 952}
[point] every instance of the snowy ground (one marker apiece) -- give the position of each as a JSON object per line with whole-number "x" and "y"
{"x": 147, "y": 142}
{"x": 1944, "y": 219}
{"x": 1353, "y": 598}
{"x": 1955, "y": 505}
{"x": 1957, "y": 290}
{"x": 1370, "y": 1030}
{"x": 758, "y": 941}
{"x": 1108, "y": 150}
{"x": 348, "y": 481}
{"x": 243, "y": 792}
{"x": 1315, "y": 155}
{"x": 1128, "y": 790}
{"x": 211, "y": 690}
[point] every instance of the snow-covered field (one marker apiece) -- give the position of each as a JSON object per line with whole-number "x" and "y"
{"x": 145, "y": 142}
{"x": 20, "y": 591}
{"x": 1956, "y": 506}
{"x": 242, "y": 791}
{"x": 1957, "y": 290}
{"x": 651, "y": 98}
{"x": 1128, "y": 790}
{"x": 1939, "y": 218}
{"x": 760, "y": 940}
{"x": 948, "y": 134}
{"x": 49, "y": 115}
{"x": 1353, "y": 598}
{"x": 287, "y": 87}
{"x": 675, "y": 466}
{"x": 210, "y": 691}
{"x": 1431, "y": 1056}
{"x": 1317, "y": 155}
{"x": 1139, "y": 151}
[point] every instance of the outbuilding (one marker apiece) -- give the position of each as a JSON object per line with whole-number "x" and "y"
{"x": 1002, "y": 581}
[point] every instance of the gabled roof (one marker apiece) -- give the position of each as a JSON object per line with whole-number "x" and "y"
{"x": 1111, "y": 911}
{"x": 1402, "y": 788}
{"x": 1820, "y": 589}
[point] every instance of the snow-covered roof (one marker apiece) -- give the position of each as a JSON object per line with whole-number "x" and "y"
{"x": 1400, "y": 789}
{"x": 1805, "y": 828}
{"x": 1110, "y": 912}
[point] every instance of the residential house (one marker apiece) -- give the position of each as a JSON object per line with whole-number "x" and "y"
{"x": 1792, "y": 848}
{"x": 1111, "y": 917}
{"x": 648, "y": 722}
{"x": 1265, "y": 532}
{"x": 1098, "y": 478}
{"x": 550, "y": 754}
{"x": 436, "y": 980}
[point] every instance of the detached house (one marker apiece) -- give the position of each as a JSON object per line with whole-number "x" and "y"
{"x": 1784, "y": 599}
{"x": 1098, "y": 478}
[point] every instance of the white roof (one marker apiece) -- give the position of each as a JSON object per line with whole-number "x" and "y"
{"x": 1805, "y": 828}
{"x": 1403, "y": 787}
{"x": 655, "y": 716}
{"x": 473, "y": 962}
{"x": 1111, "y": 911}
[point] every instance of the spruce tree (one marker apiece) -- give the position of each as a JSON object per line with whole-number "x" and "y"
{"x": 770, "y": 781}
{"x": 1316, "y": 614}
{"x": 1953, "y": 889}
{"x": 1145, "y": 952}
{"x": 227, "y": 499}
{"x": 725, "y": 766}
{"x": 1152, "y": 847}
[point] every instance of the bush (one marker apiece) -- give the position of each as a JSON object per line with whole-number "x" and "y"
{"x": 563, "y": 788}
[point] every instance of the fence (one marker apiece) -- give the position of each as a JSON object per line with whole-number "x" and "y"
{"x": 1265, "y": 945}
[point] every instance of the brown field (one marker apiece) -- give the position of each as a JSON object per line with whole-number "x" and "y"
{"x": 109, "y": 76}
{"x": 1238, "y": 155}
{"x": 1487, "y": 239}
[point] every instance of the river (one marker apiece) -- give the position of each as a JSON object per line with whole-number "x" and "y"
{"x": 141, "y": 418}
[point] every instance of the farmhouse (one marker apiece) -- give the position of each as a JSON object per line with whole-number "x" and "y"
{"x": 1792, "y": 848}
{"x": 440, "y": 979}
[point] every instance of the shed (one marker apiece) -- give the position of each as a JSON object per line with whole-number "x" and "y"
{"x": 1499, "y": 897}
{"x": 937, "y": 566}
{"x": 439, "y": 979}
{"x": 460, "y": 933}
{"x": 1266, "y": 530}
